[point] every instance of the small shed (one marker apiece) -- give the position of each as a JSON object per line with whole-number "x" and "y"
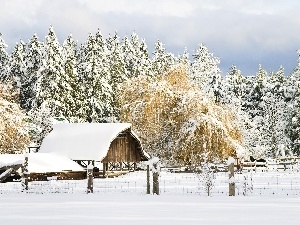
{"x": 42, "y": 162}
{"x": 41, "y": 166}
{"x": 113, "y": 144}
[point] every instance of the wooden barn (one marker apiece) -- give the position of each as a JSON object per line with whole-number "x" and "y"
{"x": 115, "y": 145}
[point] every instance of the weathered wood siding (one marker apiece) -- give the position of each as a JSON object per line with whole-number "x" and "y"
{"x": 124, "y": 148}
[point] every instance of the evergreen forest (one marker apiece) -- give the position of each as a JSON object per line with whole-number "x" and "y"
{"x": 181, "y": 106}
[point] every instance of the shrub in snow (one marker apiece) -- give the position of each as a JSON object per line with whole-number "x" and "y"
{"x": 206, "y": 175}
{"x": 247, "y": 185}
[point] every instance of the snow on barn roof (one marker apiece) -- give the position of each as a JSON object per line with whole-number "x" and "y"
{"x": 41, "y": 162}
{"x": 83, "y": 141}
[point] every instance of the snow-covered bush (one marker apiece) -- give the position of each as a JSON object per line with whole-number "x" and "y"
{"x": 247, "y": 184}
{"x": 206, "y": 175}
{"x": 14, "y": 136}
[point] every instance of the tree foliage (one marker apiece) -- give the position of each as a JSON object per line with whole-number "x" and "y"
{"x": 176, "y": 121}
{"x": 14, "y": 136}
{"x": 179, "y": 111}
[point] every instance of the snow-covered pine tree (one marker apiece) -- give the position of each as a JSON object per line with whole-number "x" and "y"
{"x": 4, "y": 61}
{"x": 53, "y": 90}
{"x": 276, "y": 114}
{"x": 292, "y": 96}
{"x": 115, "y": 61}
{"x": 33, "y": 63}
{"x": 254, "y": 92}
{"x": 293, "y": 125}
{"x": 253, "y": 105}
{"x": 117, "y": 70}
{"x": 145, "y": 66}
{"x": 74, "y": 100}
{"x": 235, "y": 89}
{"x": 184, "y": 58}
{"x": 161, "y": 59}
{"x": 206, "y": 74}
{"x": 54, "y": 86}
{"x": 95, "y": 77}
{"x": 51, "y": 84}
{"x": 17, "y": 66}
{"x": 234, "y": 84}
{"x": 266, "y": 105}
{"x": 135, "y": 56}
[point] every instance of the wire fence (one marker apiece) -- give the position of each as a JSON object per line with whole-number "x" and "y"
{"x": 247, "y": 183}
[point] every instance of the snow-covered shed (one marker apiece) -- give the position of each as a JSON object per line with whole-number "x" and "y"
{"x": 108, "y": 143}
{"x": 40, "y": 166}
{"x": 41, "y": 163}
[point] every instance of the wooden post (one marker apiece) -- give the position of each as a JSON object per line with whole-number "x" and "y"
{"x": 104, "y": 169}
{"x": 134, "y": 166}
{"x": 231, "y": 176}
{"x": 90, "y": 178}
{"x": 25, "y": 174}
{"x": 155, "y": 171}
{"x": 148, "y": 179}
{"x": 128, "y": 165}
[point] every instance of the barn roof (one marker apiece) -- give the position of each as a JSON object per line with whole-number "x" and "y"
{"x": 84, "y": 141}
{"x": 41, "y": 162}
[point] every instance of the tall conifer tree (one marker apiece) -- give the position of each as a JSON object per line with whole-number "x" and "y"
{"x": 95, "y": 76}
{"x": 33, "y": 63}
{"x": 4, "y": 61}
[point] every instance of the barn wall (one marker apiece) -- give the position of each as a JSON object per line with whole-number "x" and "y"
{"x": 123, "y": 149}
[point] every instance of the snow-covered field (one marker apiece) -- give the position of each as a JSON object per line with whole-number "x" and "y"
{"x": 275, "y": 199}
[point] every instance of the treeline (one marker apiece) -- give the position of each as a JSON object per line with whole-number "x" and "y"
{"x": 87, "y": 82}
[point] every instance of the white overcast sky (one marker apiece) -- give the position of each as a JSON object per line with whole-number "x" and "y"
{"x": 241, "y": 32}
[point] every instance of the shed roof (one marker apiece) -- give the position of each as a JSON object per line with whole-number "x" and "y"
{"x": 41, "y": 162}
{"x": 84, "y": 141}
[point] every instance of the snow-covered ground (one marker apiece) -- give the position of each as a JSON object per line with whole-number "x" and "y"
{"x": 275, "y": 199}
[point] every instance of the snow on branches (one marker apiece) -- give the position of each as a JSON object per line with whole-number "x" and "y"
{"x": 13, "y": 133}
{"x": 174, "y": 119}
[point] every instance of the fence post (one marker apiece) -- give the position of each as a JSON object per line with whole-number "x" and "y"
{"x": 148, "y": 179}
{"x": 90, "y": 178}
{"x": 231, "y": 180}
{"x": 25, "y": 174}
{"x": 155, "y": 171}
{"x": 104, "y": 169}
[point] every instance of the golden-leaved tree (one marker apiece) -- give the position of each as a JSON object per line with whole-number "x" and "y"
{"x": 14, "y": 137}
{"x": 176, "y": 121}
